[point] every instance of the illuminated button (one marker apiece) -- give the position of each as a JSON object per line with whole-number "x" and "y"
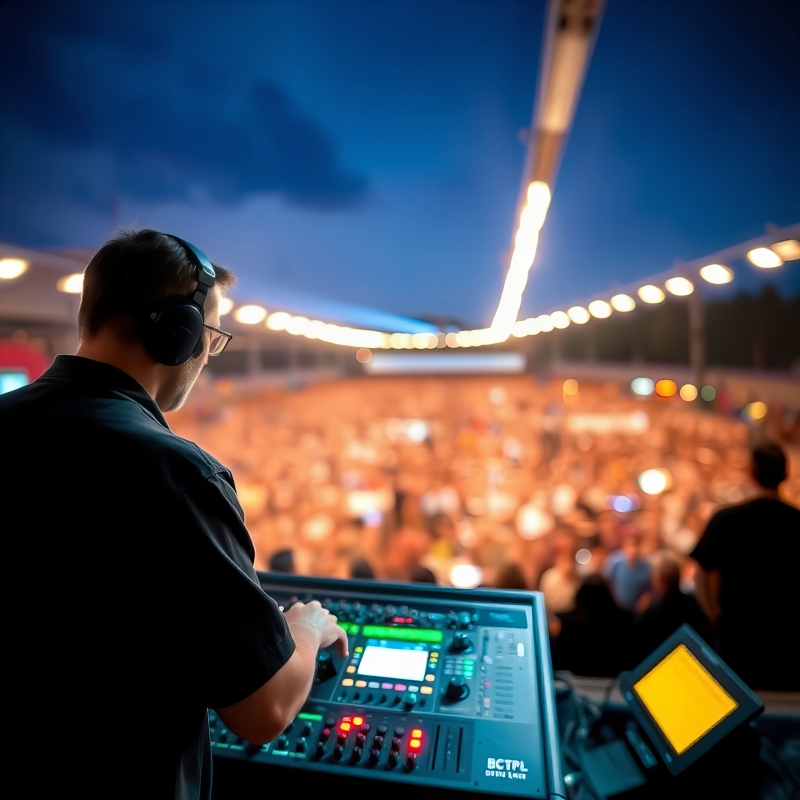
{"x": 426, "y": 690}
{"x": 400, "y": 687}
{"x": 415, "y": 744}
{"x": 347, "y": 682}
{"x": 416, "y": 733}
{"x": 387, "y": 686}
{"x": 430, "y": 678}
{"x": 413, "y": 688}
{"x": 358, "y": 721}
{"x": 345, "y": 726}
{"x": 374, "y": 685}
{"x": 520, "y": 649}
{"x": 361, "y": 684}
{"x": 351, "y": 670}
{"x": 359, "y": 650}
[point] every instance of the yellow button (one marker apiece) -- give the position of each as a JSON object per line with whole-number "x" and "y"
{"x": 347, "y": 682}
{"x": 359, "y": 649}
{"x": 426, "y": 690}
{"x": 361, "y": 684}
{"x": 351, "y": 670}
{"x": 430, "y": 678}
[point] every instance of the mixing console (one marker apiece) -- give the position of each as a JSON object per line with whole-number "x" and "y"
{"x": 442, "y": 688}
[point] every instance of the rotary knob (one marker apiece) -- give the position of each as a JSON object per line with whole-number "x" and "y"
{"x": 326, "y": 669}
{"x": 409, "y": 700}
{"x": 461, "y": 643}
{"x": 457, "y": 689}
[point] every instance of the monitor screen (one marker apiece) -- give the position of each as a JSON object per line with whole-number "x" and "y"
{"x": 395, "y": 660}
{"x": 686, "y": 699}
{"x": 686, "y": 715}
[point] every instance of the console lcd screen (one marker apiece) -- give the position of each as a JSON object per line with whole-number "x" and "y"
{"x": 396, "y": 660}
{"x": 683, "y": 698}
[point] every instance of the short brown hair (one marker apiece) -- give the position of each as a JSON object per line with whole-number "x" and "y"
{"x": 131, "y": 272}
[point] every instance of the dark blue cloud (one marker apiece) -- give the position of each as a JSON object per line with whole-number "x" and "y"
{"x": 162, "y": 116}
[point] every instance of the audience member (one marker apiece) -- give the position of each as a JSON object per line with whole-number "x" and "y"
{"x": 282, "y": 561}
{"x": 747, "y": 578}
{"x": 628, "y": 574}
{"x": 595, "y": 638}
{"x": 561, "y": 582}
{"x": 670, "y": 608}
{"x": 511, "y": 576}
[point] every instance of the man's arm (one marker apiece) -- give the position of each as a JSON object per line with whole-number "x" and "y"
{"x": 706, "y": 592}
{"x": 263, "y": 715}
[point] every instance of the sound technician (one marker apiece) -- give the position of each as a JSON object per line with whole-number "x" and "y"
{"x": 135, "y": 606}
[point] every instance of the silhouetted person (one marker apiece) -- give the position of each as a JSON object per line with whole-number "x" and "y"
{"x": 746, "y": 581}
{"x": 511, "y": 576}
{"x": 670, "y": 609}
{"x": 362, "y": 570}
{"x": 422, "y": 574}
{"x": 282, "y": 561}
{"x": 594, "y": 638}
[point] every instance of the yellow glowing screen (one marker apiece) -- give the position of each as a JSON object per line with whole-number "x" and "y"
{"x": 683, "y": 698}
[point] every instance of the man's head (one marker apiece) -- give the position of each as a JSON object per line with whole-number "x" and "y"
{"x": 768, "y": 465}
{"x": 666, "y": 574}
{"x": 130, "y": 275}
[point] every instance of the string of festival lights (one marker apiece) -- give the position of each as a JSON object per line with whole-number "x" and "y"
{"x": 505, "y": 323}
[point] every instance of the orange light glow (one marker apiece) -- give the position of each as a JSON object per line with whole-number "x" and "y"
{"x": 570, "y": 387}
{"x": 666, "y": 388}
{"x": 416, "y": 733}
{"x": 415, "y": 744}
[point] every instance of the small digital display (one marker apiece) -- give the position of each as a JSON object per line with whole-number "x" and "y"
{"x": 396, "y": 660}
{"x": 683, "y": 699}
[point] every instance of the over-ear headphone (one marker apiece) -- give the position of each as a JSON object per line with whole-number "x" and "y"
{"x": 172, "y": 328}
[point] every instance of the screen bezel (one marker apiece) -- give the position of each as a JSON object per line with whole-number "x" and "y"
{"x": 748, "y": 704}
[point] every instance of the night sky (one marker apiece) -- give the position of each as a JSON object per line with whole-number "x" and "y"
{"x": 370, "y": 151}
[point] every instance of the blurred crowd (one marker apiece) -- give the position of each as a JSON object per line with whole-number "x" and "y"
{"x": 587, "y": 493}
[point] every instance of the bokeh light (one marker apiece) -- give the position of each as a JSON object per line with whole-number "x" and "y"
{"x": 765, "y": 258}
{"x": 250, "y": 314}
{"x": 363, "y": 355}
{"x": 583, "y": 556}
{"x": 756, "y": 410}
{"x": 71, "y": 284}
{"x": 579, "y": 315}
{"x": 679, "y": 286}
{"x": 466, "y": 576}
{"x": 11, "y": 268}
{"x": 788, "y": 250}
{"x": 666, "y": 388}
{"x": 655, "y": 481}
{"x": 570, "y": 387}
{"x": 544, "y": 323}
{"x": 716, "y": 273}
{"x": 688, "y": 392}
{"x": 600, "y": 309}
{"x": 559, "y": 319}
{"x": 225, "y": 306}
{"x": 623, "y": 302}
{"x": 644, "y": 387}
{"x": 708, "y": 393}
{"x": 651, "y": 294}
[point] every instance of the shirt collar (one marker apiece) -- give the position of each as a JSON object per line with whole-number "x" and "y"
{"x": 97, "y": 374}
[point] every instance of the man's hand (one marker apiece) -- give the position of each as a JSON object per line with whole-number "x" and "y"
{"x": 320, "y": 623}
{"x": 264, "y": 714}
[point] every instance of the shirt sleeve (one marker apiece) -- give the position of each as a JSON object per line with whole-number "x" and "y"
{"x": 244, "y": 635}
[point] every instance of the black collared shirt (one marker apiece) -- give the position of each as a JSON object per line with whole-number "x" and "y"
{"x": 134, "y": 605}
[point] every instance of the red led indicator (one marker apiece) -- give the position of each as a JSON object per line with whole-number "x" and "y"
{"x": 414, "y": 744}
{"x": 416, "y": 733}
{"x": 358, "y": 720}
{"x": 402, "y": 620}
{"x": 345, "y": 726}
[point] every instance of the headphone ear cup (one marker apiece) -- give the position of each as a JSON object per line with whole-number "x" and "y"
{"x": 172, "y": 331}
